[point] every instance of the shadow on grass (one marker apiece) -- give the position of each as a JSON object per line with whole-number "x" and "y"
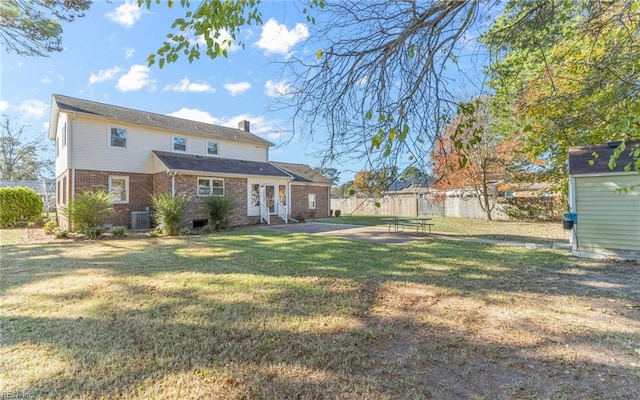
{"x": 310, "y": 326}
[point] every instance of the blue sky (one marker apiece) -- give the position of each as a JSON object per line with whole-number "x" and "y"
{"x": 105, "y": 60}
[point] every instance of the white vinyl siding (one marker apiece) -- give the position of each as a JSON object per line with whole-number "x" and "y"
{"x": 90, "y": 154}
{"x": 608, "y": 221}
{"x": 62, "y": 131}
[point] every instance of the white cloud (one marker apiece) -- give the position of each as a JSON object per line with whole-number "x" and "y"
{"x": 128, "y": 52}
{"x": 277, "y": 39}
{"x": 127, "y": 14}
{"x": 33, "y": 109}
{"x": 45, "y": 80}
{"x": 277, "y": 89}
{"x": 237, "y": 88}
{"x": 259, "y": 125}
{"x": 104, "y": 75}
{"x": 186, "y": 86}
{"x": 3, "y": 105}
{"x": 136, "y": 79}
{"x": 195, "y": 115}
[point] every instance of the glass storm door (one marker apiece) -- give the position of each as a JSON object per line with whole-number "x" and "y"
{"x": 270, "y": 198}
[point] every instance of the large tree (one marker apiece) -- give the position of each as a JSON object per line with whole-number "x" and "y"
{"x": 374, "y": 183}
{"x": 32, "y": 27}
{"x": 570, "y": 75}
{"x": 377, "y": 84}
{"x": 21, "y": 159}
{"x": 470, "y": 154}
{"x": 387, "y": 77}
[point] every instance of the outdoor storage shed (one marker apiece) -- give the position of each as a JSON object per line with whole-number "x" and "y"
{"x": 605, "y": 202}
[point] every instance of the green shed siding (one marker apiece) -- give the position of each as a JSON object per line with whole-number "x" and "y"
{"x": 608, "y": 221}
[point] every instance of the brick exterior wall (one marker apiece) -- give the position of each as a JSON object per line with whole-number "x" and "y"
{"x": 300, "y": 201}
{"x": 142, "y": 186}
{"x": 140, "y": 189}
{"x": 235, "y": 188}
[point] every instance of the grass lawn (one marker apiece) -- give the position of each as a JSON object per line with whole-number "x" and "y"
{"x": 540, "y": 232}
{"x": 261, "y": 314}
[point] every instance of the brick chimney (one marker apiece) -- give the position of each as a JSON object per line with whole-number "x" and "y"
{"x": 243, "y": 125}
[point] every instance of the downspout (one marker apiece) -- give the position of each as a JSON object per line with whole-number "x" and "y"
{"x": 173, "y": 183}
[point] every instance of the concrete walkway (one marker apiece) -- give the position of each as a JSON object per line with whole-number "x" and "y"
{"x": 381, "y": 234}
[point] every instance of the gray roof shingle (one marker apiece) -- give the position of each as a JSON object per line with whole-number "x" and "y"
{"x": 144, "y": 118}
{"x": 583, "y": 161}
{"x": 187, "y": 162}
{"x": 302, "y": 173}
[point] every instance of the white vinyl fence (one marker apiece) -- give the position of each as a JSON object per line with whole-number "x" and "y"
{"x": 410, "y": 207}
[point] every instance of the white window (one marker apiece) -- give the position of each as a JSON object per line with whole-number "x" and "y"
{"x": 179, "y": 143}
{"x": 255, "y": 195}
{"x": 312, "y": 201}
{"x": 119, "y": 189}
{"x": 212, "y": 148}
{"x": 210, "y": 187}
{"x": 117, "y": 137}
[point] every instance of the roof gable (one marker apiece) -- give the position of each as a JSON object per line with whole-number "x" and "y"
{"x": 100, "y": 110}
{"x": 303, "y": 173}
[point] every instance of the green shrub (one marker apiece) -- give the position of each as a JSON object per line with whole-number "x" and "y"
{"x": 61, "y": 235}
{"x": 119, "y": 231}
{"x": 89, "y": 210}
{"x": 169, "y": 210}
{"x": 94, "y": 232}
{"x": 220, "y": 209}
{"x": 185, "y": 232}
{"x": 19, "y": 204}
{"x": 337, "y": 213}
{"x": 50, "y": 227}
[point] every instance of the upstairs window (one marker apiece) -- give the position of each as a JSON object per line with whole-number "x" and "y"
{"x": 179, "y": 143}
{"x": 210, "y": 187}
{"x": 212, "y": 148}
{"x": 117, "y": 137}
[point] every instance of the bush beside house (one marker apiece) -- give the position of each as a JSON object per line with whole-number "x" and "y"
{"x": 19, "y": 204}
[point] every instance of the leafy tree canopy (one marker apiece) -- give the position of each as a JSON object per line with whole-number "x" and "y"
{"x": 412, "y": 174}
{"x": 32, "y": 27}
{"x": 388, "y": 77}
{"x": 570, "y": 75}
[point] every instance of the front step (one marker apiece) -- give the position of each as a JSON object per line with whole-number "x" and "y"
{"x": 276, "y": 220}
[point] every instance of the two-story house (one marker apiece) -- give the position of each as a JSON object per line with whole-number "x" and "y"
{"x": 135, "y": 154}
